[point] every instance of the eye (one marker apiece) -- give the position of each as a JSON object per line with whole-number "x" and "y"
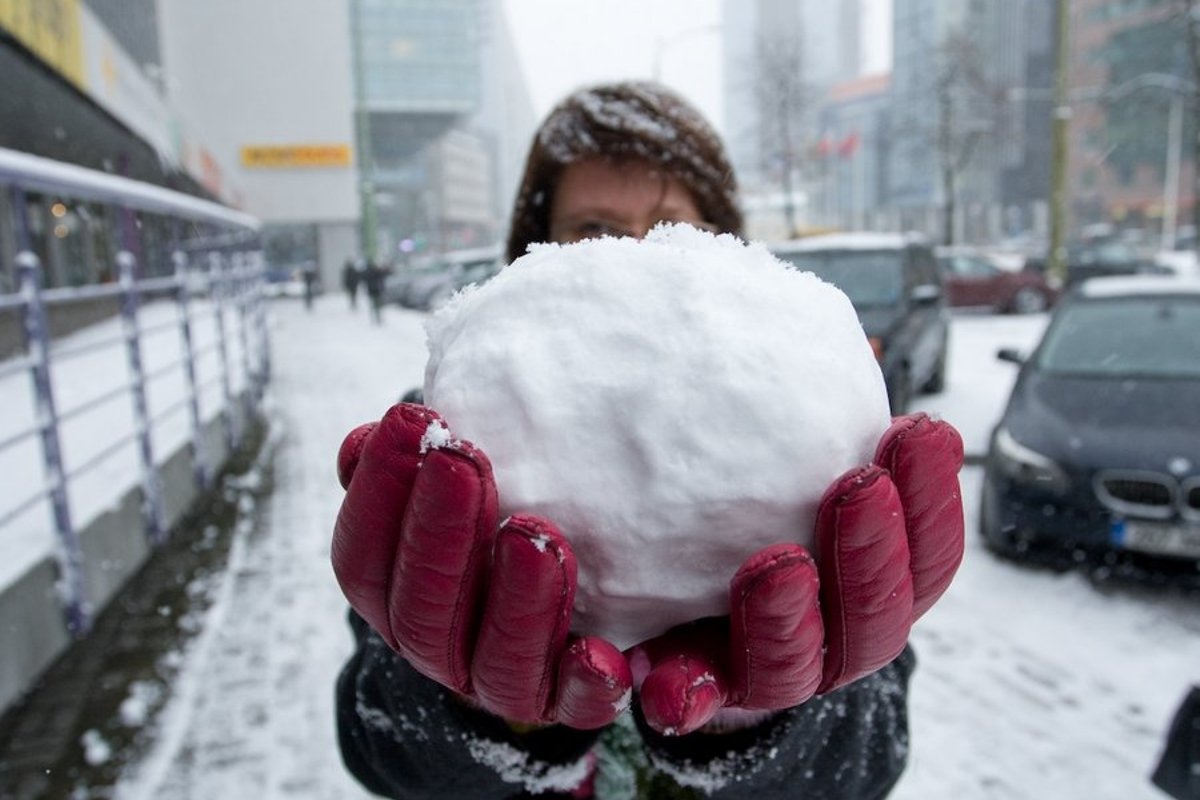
{"x": 695, "y": 223}
{"x": 596, "y": 228}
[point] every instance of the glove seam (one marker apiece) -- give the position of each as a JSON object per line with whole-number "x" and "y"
{"x": 473, "y": 561}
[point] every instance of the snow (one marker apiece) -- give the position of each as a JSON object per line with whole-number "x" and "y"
{"x": 98, "y": 366}
{"x": 1121, "y": 285}
{"x": 1029, "y": 684}
{"x": 686, "y": 422}
{"x": 46, "y": 175}
{"x": 648, "y": 125}
{"x": 866, "y": 240}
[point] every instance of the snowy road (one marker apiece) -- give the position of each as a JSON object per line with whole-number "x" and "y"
{"x": 1031, "y": 685}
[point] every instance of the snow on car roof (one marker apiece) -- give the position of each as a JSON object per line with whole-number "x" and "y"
{"x": 1125, "y": 285}
{"x": 864, "y": 240}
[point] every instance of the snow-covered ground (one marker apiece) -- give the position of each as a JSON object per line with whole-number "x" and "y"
{"x": 97, "y": 368}
{"x": 1030, "y": 685}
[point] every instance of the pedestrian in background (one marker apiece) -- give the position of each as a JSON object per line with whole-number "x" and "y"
{"x": 373, "y": 277}
{"x": 350, "y": 280}
{"x": 308, "y": 273}
{"x": 464, "y": 683}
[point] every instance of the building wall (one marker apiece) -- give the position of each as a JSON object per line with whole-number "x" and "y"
{"x": 505, "y": 120}
{"x": 856, "y": 119}
{"x": 828, "y": 37}
{"x": 1117, "y": 153}
{"x": 267, "y": 74}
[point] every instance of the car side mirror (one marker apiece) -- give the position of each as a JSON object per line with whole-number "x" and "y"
{"x": 1011, "y": 355}
{"x": 925, "y": 294}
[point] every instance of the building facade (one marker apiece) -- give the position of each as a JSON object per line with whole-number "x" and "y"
{"x": 1123, "y": 59}
{"x": 779, "y": 57}
{"x": 259, "y": 105}
{"x": 853, "y": 190}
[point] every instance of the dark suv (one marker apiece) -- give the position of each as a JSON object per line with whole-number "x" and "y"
{"x": 894, "y": 284}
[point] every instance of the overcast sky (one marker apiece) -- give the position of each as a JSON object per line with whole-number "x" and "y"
{"x": 564, "y": 44}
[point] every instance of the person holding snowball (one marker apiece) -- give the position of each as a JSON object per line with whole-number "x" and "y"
{"x": 468, "y": 679}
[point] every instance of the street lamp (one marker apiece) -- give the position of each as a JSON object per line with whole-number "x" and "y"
{"x": 1179, "y": 88}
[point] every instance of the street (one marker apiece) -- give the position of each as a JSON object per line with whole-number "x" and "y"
{"x": 1030, "y": 683}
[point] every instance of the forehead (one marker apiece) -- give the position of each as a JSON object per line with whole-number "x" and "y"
{"x": 599, "y": 181}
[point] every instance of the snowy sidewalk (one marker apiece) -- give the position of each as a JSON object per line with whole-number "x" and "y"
{"x": 1029, "y": 685}
{"x": 253, "y": 716}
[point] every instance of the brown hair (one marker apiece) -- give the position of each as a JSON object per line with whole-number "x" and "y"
{"x": 625, "y": 121}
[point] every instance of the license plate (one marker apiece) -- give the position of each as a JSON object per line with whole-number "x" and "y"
{"x": 1160, "y": 538}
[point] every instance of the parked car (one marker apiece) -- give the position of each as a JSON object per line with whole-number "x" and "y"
{"x": 1101, "y": 259}
{"x": 286, "y": 280}
{"x": 1096, "y": 458}
{"x": 398, "y": 283}
{"x": 432, "y": 284}
{"x": 1184, "y": 259}
{"x": 972, "y": 280}
{"x": 893, "y": 282}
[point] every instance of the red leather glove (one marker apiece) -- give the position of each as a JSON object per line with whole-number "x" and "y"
{"x": 481, "y": 608}
{"x": 889, "y": 538}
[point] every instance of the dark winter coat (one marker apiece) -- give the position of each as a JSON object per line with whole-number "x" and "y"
{"x": 404, "y": 736}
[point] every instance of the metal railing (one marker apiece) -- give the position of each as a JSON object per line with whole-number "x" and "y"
{"x": 218, "y": 276}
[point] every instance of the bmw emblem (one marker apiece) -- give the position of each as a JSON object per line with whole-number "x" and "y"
{"x": 1179, "y": 466}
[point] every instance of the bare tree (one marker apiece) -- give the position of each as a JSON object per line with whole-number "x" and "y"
{"x": 969, "y": 110}
{"x": 783, "y": 102}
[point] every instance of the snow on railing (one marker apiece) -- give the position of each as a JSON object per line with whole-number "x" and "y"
{"x": 217, "y": 277}
{"x": 232, "y": 297}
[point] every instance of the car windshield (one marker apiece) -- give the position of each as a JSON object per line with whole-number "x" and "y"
{"x": 1143, "y": 337}
{"x": 868, "y": 277}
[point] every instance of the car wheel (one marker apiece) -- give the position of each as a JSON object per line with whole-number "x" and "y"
{"x": 898, "y": 392}
{"x": 439, "y": 297}
{"x": 937, "y": 381}
{"x": 994, "y": 538}
{"x": 1029, "y": 300}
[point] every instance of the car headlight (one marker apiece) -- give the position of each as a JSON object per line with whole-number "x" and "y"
{"x": 877, "y": 347}
{"x": 1027, "y": 466}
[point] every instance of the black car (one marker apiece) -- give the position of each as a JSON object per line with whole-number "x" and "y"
{"x": 1103, "y": 259}
{"x": 896, "y": 288}
{"x": 1096, "y": 459}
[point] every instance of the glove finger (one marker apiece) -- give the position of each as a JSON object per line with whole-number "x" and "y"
{"x": 525, "y": 621}
{"x": 440, "y": 567}
{"x": 866, "y": 587}
{"x": 776, "y": 633}
{"x": 594, "y": 684}
{"x": 688, "y": 682}
{"x": 385, "y": 457}
{"x": 924, "y": 457}
{"x": 350, "y": 452}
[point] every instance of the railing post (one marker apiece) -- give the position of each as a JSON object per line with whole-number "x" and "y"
{"x": 219, "y": 291}
{"x": 201, "y": 469}
{"x": 250, "y": 391}
{"x": 152, "y": 511}
{"x": 72, "y": 586}
{"x": 261, "y": 331}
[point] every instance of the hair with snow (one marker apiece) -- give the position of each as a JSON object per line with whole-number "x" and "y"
{"x": 626, "y": 121}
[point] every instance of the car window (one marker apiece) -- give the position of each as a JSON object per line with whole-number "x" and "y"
{"x": 868, "y": 277}
{"x": 967, "y": 266}
{"x": 1136, "y": 337}
{"x": 924, "y": 267}
{"x": 478, "y": 270}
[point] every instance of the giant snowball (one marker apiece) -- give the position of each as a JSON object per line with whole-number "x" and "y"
{"x": 672, "y": 404}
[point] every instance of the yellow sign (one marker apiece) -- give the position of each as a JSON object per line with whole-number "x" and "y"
{"x": 290, "y": 156}
{"x": 51, "y": 29}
